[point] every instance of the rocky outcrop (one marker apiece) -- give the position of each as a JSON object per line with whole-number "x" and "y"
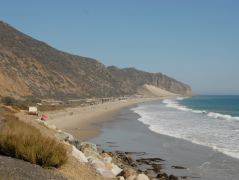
{"x": 102, "y": 162}
{"x": 29, "y": 67}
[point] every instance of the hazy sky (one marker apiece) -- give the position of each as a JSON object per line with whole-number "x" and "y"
{"x": 195, "y": 41}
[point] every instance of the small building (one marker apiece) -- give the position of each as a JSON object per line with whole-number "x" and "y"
{"x": 32, "y": 110}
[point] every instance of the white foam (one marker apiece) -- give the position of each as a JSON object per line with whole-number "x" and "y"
{"x": 222, "y": 116}
{"x": 199, "y": 127}
{"x": 172, "y": 103}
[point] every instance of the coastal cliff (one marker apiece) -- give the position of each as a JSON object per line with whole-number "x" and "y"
{"x": 29, "y": 67}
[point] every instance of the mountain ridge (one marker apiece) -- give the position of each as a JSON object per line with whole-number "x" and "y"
{"x": 29, "y": 67}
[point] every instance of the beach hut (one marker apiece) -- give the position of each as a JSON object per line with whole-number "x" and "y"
{"x": 32, "y": 110}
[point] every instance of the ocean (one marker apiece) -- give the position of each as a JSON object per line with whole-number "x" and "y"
{"x": 211, "y": 121}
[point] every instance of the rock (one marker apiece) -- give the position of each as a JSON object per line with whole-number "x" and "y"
{"x": 102, "y": 163}
{"x": 116, "y": 170}
{"x": 133, "y": 177}
{"x": 172, "y": 177}
{"x": 120, "y": 178}
{"x": 100, "y": 150}
{"x": 52, "y": 127}
{"x": 75, "y": 143}
{"x": 106, "y": 157}
{"x": 108, "y": 174}
{"x": 90, "y": 151}
{"x": 178, "y": 167}
{"x": 42, "y": 122}
{"x": 64, "y": 136}
{"x": 150, "y": 173}
{"x": 79, "y": 155}
{"x": 149, "y": 161}
{"x": 125, "y": 158}
{"x": 142, "y": 177}
{"x": 157, "y": 168}
{"x": 92, "y": 155}
{"x": 68, "y": 138}
{"x": 127, "y": 172}
{"x": 100, "y": 168}
{"x": 106, "y": 169}
{"x": 98, "y": 164}
{"x": 88, "y": 145}
{"x": 162, "y": 176}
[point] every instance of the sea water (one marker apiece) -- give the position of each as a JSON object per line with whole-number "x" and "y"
{"x": 211, "y": 121}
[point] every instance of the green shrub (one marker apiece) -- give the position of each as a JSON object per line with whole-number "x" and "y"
{"x": 20, "y": 140}
{"x": 16, "y": 104}
{"x": 9, "y": 101}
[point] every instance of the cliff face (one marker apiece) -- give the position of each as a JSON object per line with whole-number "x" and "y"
{"x": 133, "y": 79}
{"x": 29, "y": 67}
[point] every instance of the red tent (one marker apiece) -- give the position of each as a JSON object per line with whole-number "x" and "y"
{"x": 44, "y": 117}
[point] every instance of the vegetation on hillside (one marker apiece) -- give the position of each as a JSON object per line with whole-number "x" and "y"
{"x": 23, "y": 141}
{"x": 19, "y": 104}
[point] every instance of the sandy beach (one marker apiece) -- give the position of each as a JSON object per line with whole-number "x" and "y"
{"x": 84, "y": 122}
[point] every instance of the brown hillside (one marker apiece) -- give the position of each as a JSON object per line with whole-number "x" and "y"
{"x": 30, "y": 67}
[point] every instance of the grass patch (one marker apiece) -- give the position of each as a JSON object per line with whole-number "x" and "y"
{"x": 23, "y": 141}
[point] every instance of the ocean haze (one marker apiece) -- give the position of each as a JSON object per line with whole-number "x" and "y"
{"x": 194, "y": 41}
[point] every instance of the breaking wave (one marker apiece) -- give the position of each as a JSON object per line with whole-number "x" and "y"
{"x": 215, "y": 130}
{"x": 174, "y": 103}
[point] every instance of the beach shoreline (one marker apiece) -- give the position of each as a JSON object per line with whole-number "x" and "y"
{"x": 84, "y": 123}
{"x": 125, "y": 133}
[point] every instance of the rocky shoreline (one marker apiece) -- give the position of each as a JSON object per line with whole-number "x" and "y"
{"x": 117, "y": 165}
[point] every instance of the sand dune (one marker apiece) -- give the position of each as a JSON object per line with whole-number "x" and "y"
{"x": 153, "y": 91}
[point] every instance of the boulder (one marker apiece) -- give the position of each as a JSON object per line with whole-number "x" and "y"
{"x": 88, "y": 145}
{"x": 150, "y": 173}
{"x": 102, "y": 169}
{"x": 90, "y": 151}
{"x": 75, "y": 143}
{"x": 157, "y": 168}
{"x": 102, "y": 163}
{"x": 106, "y": 157}
{"x": 106, "y": 169}
{"x": 128, "y": 172}
{"x": 133, "y": 177}
{"x": 108, "y": 174}
{"x": 120, "y": 178}
{"x": 64, "y": 136}
{"x": 116, "y": 170}
{"x": 162, "y": 176}
{"x": 172, "y": 177}
{"x": 92, "y": 155}
{"x": 142, "y": 177}
{"x": 78, "y": 155}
